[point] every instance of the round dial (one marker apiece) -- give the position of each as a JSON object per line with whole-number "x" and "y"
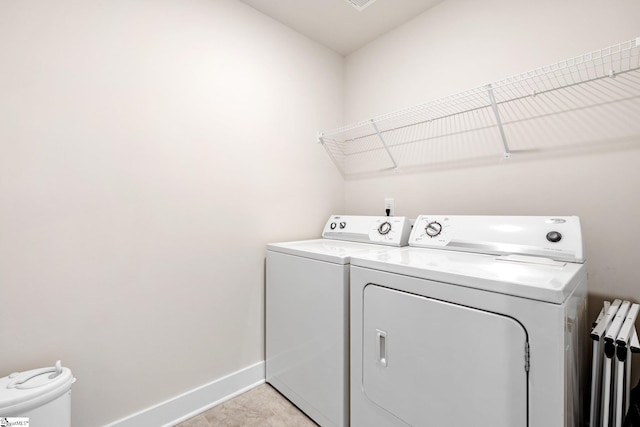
{"x": 384, "y": 228}
{"x": 554, "y": 236}
{"x": 433, "y": 229}
{"x": 343, "y": 225}
{"x": 333, "y": 226}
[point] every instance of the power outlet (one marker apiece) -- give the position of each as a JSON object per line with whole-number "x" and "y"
{"x": 390, "y": 204}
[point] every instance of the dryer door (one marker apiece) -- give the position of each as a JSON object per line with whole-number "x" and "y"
{"x": 433, "y": 363}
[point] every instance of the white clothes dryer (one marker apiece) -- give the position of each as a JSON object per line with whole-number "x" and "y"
{"x": 480, "y": 322}
{"x": 307, "y": 312}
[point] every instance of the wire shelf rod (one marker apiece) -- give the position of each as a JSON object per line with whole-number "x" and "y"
{"x": 421, "y": 122}
{"x": 428, "y": 138}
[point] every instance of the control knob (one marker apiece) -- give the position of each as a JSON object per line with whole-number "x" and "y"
{"x": 333, "y": 226}
{"x": 554, "y": 236}
{"x": 433, "y": 229}
{"x": 343, "y": 225}
{"x": 384, "y": 228}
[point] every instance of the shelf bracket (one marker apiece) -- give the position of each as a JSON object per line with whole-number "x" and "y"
{"x": 494, "y": 107}
{"x": 384, "y": 144}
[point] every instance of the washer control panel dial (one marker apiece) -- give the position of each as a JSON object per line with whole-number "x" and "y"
{"x": 433, "y": 229}
{"x": 384, "y": 228}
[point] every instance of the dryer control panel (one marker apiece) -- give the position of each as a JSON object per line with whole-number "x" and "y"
{"x": 382, "y": 230}
{"x": 555, "y": 237}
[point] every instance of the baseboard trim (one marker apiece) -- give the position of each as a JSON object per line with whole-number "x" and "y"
{"x": 191, "y": 403}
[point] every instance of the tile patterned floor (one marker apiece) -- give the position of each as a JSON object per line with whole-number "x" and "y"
{"x": 261, "y": 406}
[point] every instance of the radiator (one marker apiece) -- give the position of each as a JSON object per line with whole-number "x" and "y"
{"x": 614, "y": 339}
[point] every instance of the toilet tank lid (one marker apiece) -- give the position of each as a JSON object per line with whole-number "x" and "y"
{"x": 23, "y": 391}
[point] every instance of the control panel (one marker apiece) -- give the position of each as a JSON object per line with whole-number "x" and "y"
{"x": 382, "y": 230}
{"x": 558, "y": 238}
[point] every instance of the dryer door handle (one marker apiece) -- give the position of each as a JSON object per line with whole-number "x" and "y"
{"x": 381, "y": 338}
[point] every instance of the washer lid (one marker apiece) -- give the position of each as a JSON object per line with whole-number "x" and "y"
{"x": 527, "y": 277}
{"x": 335, "y": 251}
{"x": 22, "y": 387}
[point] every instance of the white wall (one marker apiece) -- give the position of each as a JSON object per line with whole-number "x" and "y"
{"x": 148, "y": 152}
{"x": 463, "y": 44}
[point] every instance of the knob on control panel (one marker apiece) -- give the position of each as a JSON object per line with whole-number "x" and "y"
{"x": 333, "y": 226}
{"x": 433, "y": 229}
{"x": 384, "y": 228}
{"x": 343, "y": 225}
{"x": 554, "y": 236}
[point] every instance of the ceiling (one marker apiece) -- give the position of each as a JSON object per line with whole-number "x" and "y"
{"x": 338, "y": 25}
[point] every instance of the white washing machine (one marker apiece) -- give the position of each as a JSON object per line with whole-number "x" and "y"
{"x": 307, "y": 312}
{"x": 480, "y": 322}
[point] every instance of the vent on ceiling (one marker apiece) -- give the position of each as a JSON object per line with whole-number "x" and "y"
{"x": 360, "y": 5}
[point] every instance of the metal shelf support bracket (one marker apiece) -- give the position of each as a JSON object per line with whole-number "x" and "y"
{"x": 384, "y": 144}
{"x": 494, "y": 107}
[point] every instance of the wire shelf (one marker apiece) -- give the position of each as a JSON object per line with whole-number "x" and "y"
{"x": 582, "y": 100}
